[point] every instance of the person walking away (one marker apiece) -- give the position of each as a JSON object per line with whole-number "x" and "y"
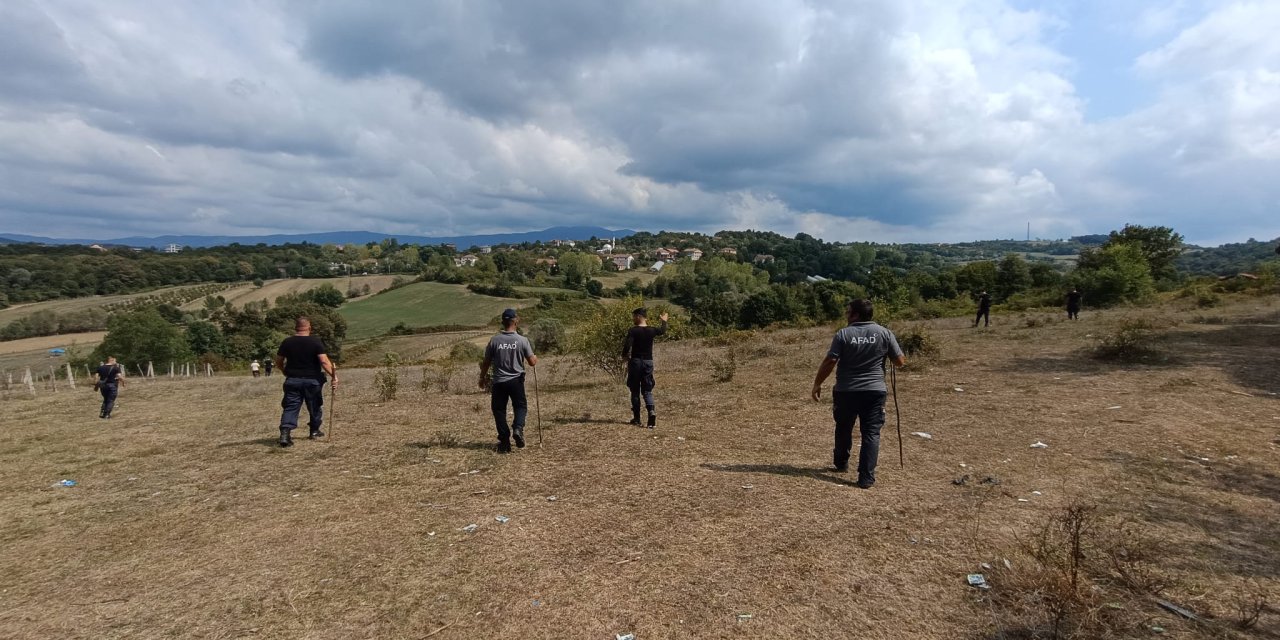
{"x": 984, "y": 309}
{"x": 637, "y": 351}
{"x": 507, "y": 353}
{"x": 110, "y": 379}
{"x": 303, "y": 359}
{"x": 254, "y": 367}
{"x": 267, "y": 367}
{"x": 1073, "y": 304}
{"x": 857, "y": 355}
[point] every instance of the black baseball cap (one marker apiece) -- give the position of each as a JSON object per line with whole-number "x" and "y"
{"x": 508, "y": 314}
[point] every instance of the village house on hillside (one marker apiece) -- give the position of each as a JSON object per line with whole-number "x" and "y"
{"x": 692, "y": 253}
{"x": 623, "y": 262}
{"x": 728, "y": 251}
{"x": 666, "y": 254}
{"x": 763, "y": 258}
{"x": 468, "y": 260}
{"x": 547, "y": 263}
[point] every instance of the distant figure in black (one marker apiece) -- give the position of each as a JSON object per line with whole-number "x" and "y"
{"x": 637, "y": 351}
{"x": 110, "y": 379}
{"x": 305, "y": 362}
{"x": 984, "y": 309}
{"x": 1073, "y": 304}
{"x": 268, "y": 366}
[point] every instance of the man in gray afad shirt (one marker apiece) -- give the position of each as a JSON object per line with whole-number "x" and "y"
{"x": 507, "y": 352}
{"x": 857, "y": 355}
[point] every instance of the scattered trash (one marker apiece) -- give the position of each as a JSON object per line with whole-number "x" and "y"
{"x": 1039, "y": 445}
{"x": 1036, "y": 493}
{"x": 963, "y": 465}
{"x": 1007, "y": 564}
{"x": 991, "y": 480}
{"x": 961, "y": 481}
{"x": 502, "y": 519}
{"x": 552, "y": 498}
{"x": 68, "y": 483}
{"x": 913, "y": 540}
{"x": 536, "y": 603}
{"x": 985, "y": 566}
{"x": 1173, "y": 608}
{"x": 473, "y": 471}
{"x": 1007, "y": 460}
{"x": 132, "y": 479}
{"x": 431, "y": 535}
{"x": 471, "y": 528}
{"x": 624, "y": 636}
{"x": 1157, "y": 629}
{"x": 680, "y": 438}
{"x": 978, "y": 580}
{"x": 367, "y": 477}
{"x": 748, "y": 486}
{"x": 743, "y": 617}
{"x": 297, "y": 495}
{"x": 1023, "y": 500}
{"x": 959, "y": 390}
{"x": 921, "y": 434}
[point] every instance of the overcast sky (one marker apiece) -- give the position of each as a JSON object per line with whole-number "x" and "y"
{"x": 887, "y": 120}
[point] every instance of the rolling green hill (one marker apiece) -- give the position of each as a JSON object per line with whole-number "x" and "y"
{"x": 423, "y": 304}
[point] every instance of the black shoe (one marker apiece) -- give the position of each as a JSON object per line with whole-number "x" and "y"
{"x": 316, "y": 434}
{"x": 635, "y": 417}
{"x": 635, "y": 422}
{"x": 653, "y": 421}
{"x": 503, "y": 447}
{"x": 286, "y": 439}
{"x": 518, "y": 436}
{"x": 866, "y": 484}
{"x": 835, "y": 468}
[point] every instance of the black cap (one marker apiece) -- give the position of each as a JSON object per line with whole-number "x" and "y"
{"x": 508, "y": 314}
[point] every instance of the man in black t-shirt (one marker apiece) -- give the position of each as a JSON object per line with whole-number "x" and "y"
{"x": 304, "y": 361}
{"x": 984, "y": 309}
{"x": 1073, "y": 304}
{"x": 637, "y": 350}
{"x": 110, "y": 379}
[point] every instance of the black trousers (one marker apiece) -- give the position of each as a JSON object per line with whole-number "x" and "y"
{"x": 983, "y": 314}
{"x": 1073, "y": 313}
{"x": 300, "y": 391}
{"x": 109, "y": 390}
{"x": 640, "y": 382}
{"x": 867, "y": 409}
{"x": 512, "y": 390}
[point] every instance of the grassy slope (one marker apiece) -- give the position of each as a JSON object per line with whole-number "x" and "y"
{"x": 195, "y": 524}
{"x": 245, "y": 293}
{"x": 423, "y": 304}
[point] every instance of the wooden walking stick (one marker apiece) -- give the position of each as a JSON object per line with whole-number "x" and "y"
{"x": 333, "y": 405}
{"x": 897, "y": 414}
{"x": 537, "y": 405}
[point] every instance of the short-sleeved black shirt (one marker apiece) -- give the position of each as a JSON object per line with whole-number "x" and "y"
{"x": 302, "y": 357}
{"x": 109, "y": 373}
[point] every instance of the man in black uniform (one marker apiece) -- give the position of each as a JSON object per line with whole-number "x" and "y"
{"x": 304, "y": 361}
{"x": 1073, "y": 304}
{"x": 984, "y": 309}
{"x": 637, "y": 350}
{"x": 507, "y": 353}
{"x": 110, "y": 379}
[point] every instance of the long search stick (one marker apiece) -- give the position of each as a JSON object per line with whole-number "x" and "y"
{"x": 333, "y": 406}
{"x": 897, "y": 414}
{"x": 537, "y": 405}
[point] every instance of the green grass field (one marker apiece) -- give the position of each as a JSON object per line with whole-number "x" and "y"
{"x": 423, "y": 304}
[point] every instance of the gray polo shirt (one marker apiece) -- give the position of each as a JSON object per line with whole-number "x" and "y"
{"x": 508, "y": 351}
{"x": 861, "y": 349}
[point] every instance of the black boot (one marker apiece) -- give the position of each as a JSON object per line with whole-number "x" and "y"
{"x": 286, "y": 440}
{"x": 653, "y": 420}
{"x": 518, "y": 436}
{"x": 635, "y": 417}
{"x": 503, "y": 447}
{"x": 316, "y": 434}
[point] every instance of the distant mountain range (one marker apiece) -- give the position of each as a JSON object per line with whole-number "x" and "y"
{"x": 334, "y": 237}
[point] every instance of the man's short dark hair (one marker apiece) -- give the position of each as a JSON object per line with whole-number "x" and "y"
{"x": 863, "y": 308}
{"x": 301, "y": 323}
{"x": 641, "y": 311}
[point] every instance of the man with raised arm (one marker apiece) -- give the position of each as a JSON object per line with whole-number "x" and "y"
{"x": 857, "y": 355}
{"x": 637, "y": 350}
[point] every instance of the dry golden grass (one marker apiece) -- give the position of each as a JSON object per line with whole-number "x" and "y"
{"x": 188, "y": 522}
{"x": 243, "y": 294}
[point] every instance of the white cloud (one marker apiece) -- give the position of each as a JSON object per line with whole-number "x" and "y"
{"x": 919, "y": 119}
